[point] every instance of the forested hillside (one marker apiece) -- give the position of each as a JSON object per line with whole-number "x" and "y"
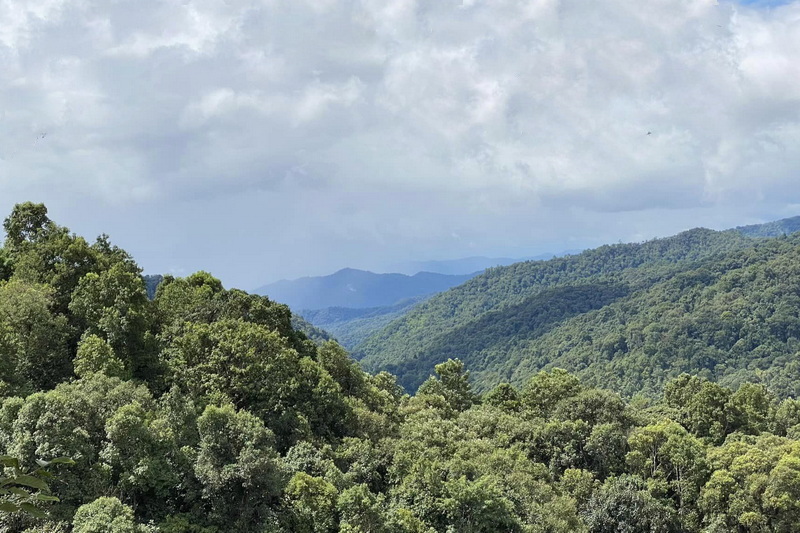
{"x": 785, "y": 226}
{"x": 502, "y": 298}
{"x": 627, "y": 316}
{"x": 204, "y": 411}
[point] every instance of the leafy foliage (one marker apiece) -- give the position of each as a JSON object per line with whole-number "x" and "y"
{"x": 203, "y": 410}
{"x": 20, "y": 492}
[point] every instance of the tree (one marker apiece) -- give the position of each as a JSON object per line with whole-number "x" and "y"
{"x": 665, "y": 453}
{"x": 479, "y": 506}
{"x": 704, "y": 407}
{"x": 104, "y": 515}
{"x": 139, "y": 451}
{"x": 623, "y": 505}
{"x": 313, "y": 502}
{"x": 237, "y": 465}
{"x": 361, "y": 511}
{"x": 113, "y": 305}
{"x": 782, "y": 494}
{"x": 452, "y": 385}
{"x": 755, "y": 406}
{"x": 546, "y": 389}
{"x": 504, "y": 396}
{"x": 33, "y": 340}
{"x": 96, "y": 355}
{"x": 27, "y": 223}
{"x": 253, "y": 367}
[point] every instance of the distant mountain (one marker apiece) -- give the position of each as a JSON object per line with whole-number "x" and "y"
{"x": 358, "y": 289}
{"x": 786, "y": 226}
{"x": 627, "y": 316}
{"x": 151, "y": 283}
{"x": 352, "y": 326}
{"x": 465, "y": 265}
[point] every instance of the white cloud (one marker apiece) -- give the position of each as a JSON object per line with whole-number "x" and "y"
{"x": 479, "y": 113}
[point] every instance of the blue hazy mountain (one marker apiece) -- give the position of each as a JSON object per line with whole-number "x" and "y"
{"x": 358, "y": 289}
{"x": 352, "y": 326}
{"x": 465, "y": 265}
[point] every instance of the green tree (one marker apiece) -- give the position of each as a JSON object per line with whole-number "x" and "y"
{"x": 452, "y": 385}
{"x": 27, "y": 223}
{"x": 96, "y": 355}
{"x": 104, "y": 515}
{"x": 545, "y": 390}
{"x": 666, "y": 454}
{"x": 254, "y": 367}
{"x": 237, "y": 465}
{"x": 33, "y": 340}
{"x": 623, "y": 505}
{"x": 361, "y": 511}
{"x": 113, "y": 305}
{"x": 313, "y": 502}
{"x": 504, "y": 396}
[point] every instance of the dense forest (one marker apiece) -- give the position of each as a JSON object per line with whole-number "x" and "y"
{"x": 204, "y": 410}
{"x": 629, "y": 317}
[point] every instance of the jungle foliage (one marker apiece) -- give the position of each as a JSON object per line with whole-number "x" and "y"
{"x": 203, "y": 410}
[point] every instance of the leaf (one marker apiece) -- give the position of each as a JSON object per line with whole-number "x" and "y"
{"x": 8, "y": 507}
{"x": 62, "y": 461}
{"x": 19, "y": 492}
{"x": 58, "y": 460}
{"x": 30, "y": 481}
{"x": 8, "y": 461}
{"x": 33, "y": 510}
{"x": 45, "y": 498}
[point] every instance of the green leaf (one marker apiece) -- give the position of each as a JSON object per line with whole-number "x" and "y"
{"x": 30, "y": 481}
{"x": 62, "y": 461}
{"x": 45, "y": 498}
{"x": 19, "y": 492}
{"x": 8, "y": 461}
{"x": 8, "y": 507}
{"x": 33, "y": 510}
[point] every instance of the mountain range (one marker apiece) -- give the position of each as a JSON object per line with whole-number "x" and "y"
{"x": 467, "y": 265}
{"x": 724, "y": 304}
{"x": 359, "y": 289}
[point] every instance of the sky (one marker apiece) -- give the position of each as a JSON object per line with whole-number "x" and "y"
{"x": 268, "y": 139}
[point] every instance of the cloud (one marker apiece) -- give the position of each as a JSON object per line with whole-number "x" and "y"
{"x": 482, "y": 116}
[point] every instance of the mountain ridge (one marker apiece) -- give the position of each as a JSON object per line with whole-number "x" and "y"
{"x": 354, "y": 288}
{"x": 435, "y": 330}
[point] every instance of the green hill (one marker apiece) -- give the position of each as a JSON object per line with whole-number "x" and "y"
{"x": 785, "y": 226}
{"x": 350, "y": 326}
{"x": 584, "y": 313}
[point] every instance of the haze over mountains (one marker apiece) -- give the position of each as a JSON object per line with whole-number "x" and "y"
{"x": 467, "y": 265}
{"x": 358, "y": 289}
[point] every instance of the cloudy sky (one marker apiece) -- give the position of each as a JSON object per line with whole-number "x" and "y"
{"x": 263, "y": 139}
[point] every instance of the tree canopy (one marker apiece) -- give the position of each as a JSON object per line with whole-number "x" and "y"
{"x": 203, "y": 410}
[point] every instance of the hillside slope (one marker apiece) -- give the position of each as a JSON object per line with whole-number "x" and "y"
{"x": 350, "y": 327}
{"x": 510, "y": 322}
{"x": 413, "y": 335}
